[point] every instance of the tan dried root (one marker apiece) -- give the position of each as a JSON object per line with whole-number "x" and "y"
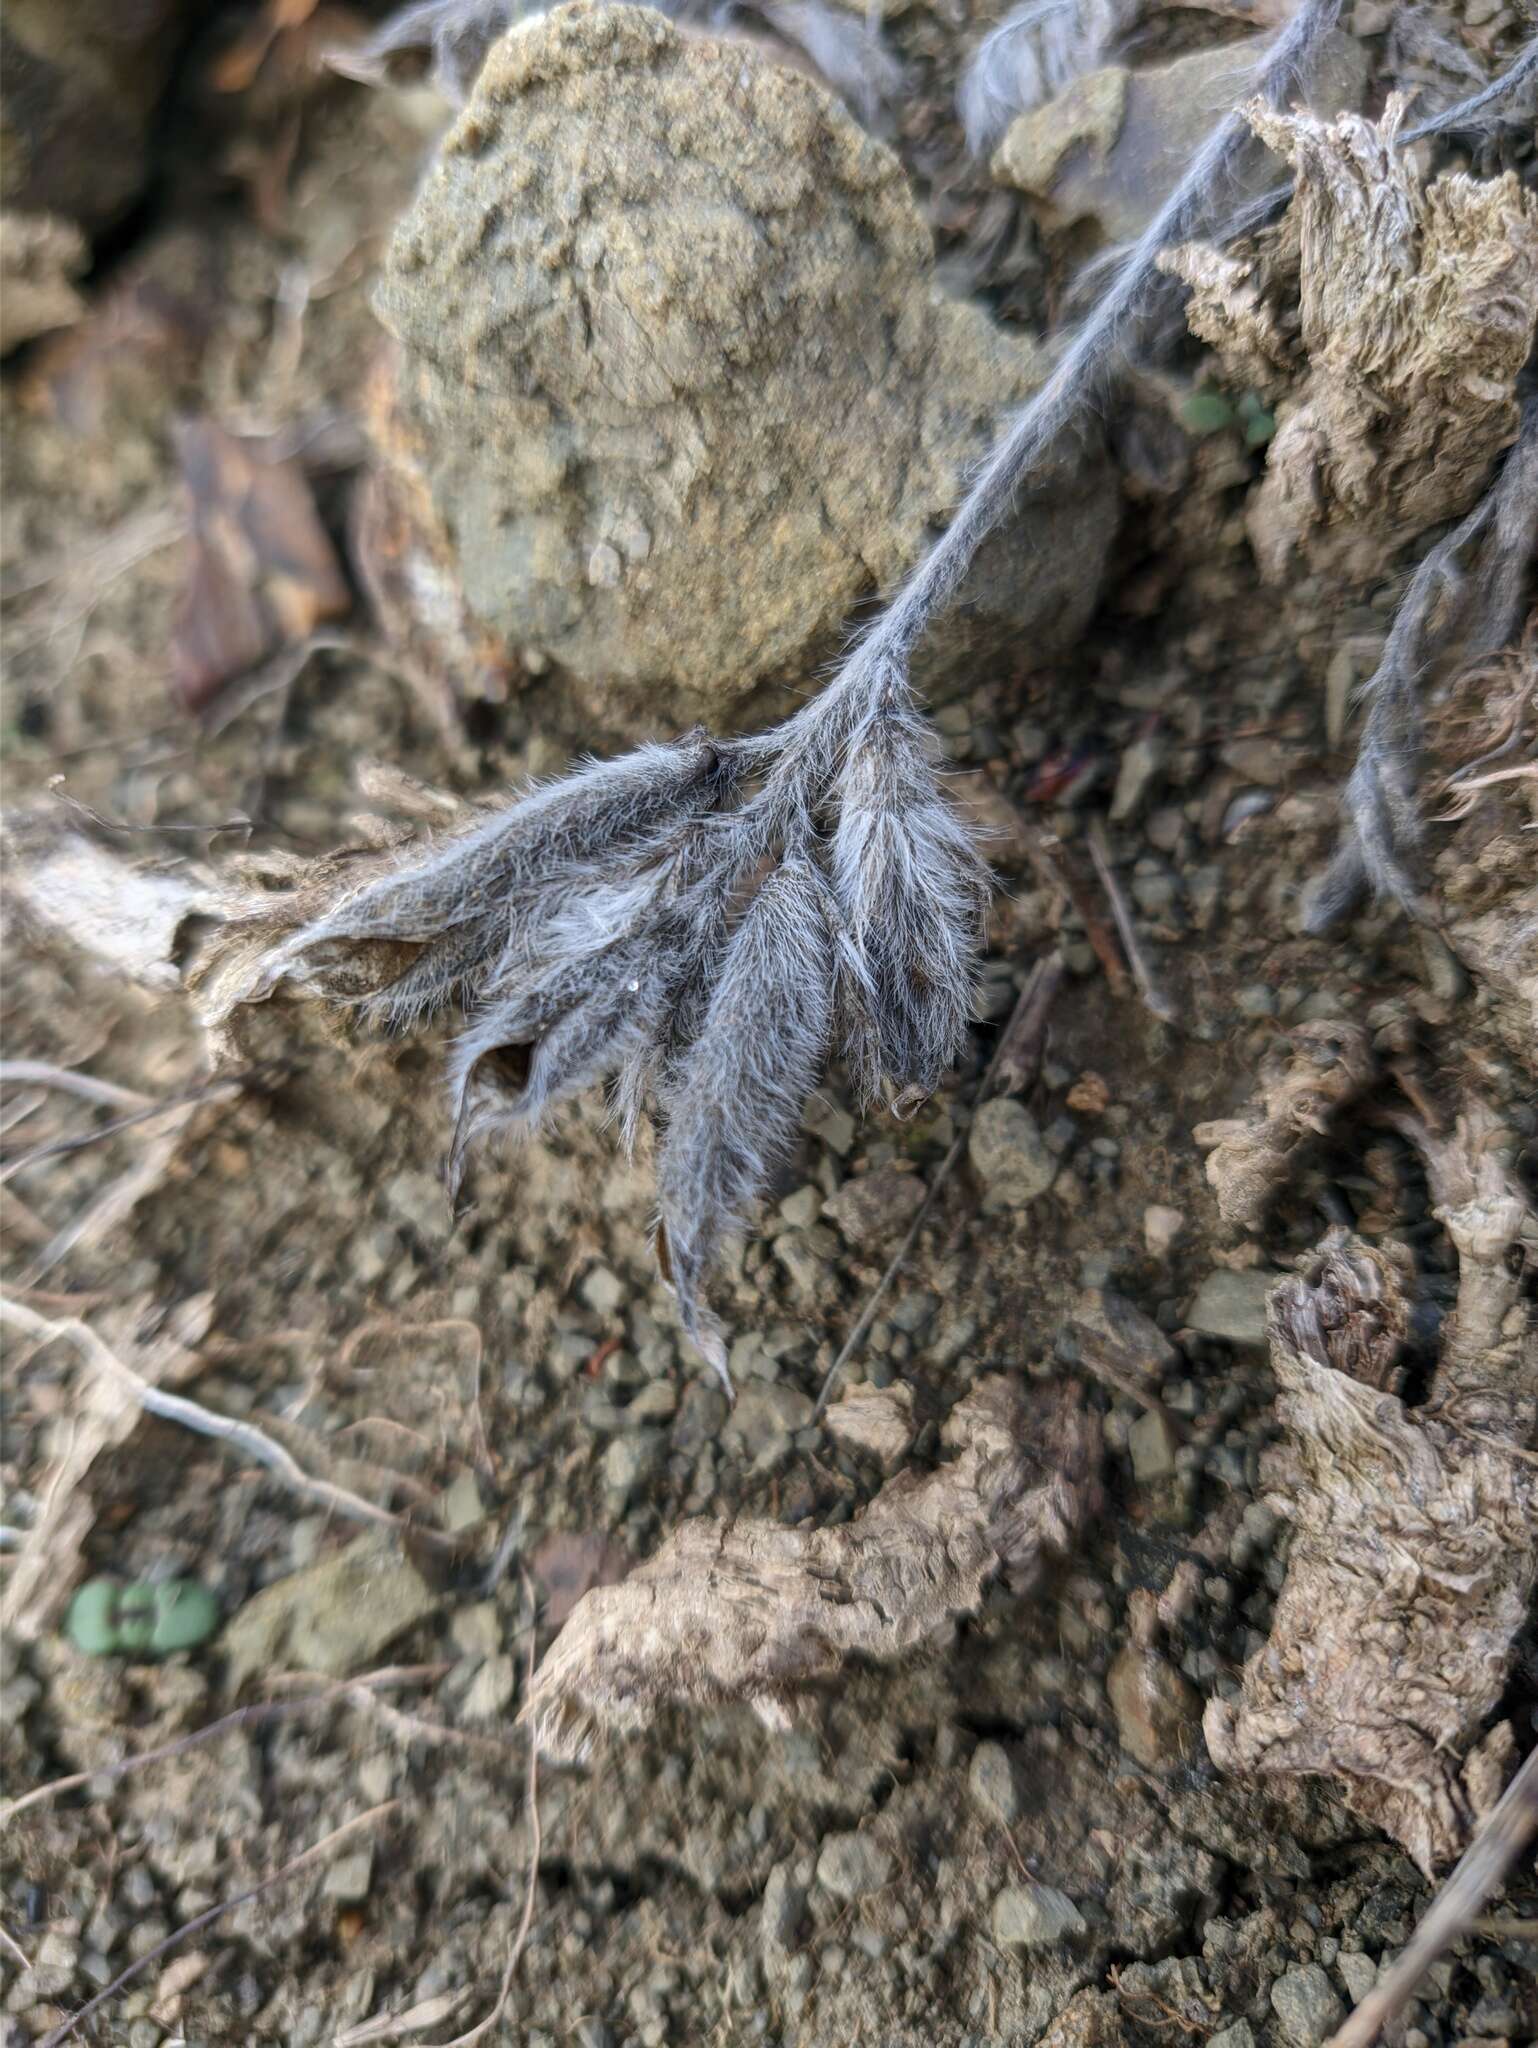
{"x": 1251, "y": 1156}
{"x": 750, "y": 1611}
{"x": 1415, "y": 306}
{"x": 1416, "y": 1544}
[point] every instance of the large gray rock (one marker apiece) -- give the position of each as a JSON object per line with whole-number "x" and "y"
{"x": 679, "y": 379}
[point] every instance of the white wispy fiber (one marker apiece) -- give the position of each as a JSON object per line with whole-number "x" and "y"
{"x": 847, "y": 50}
{"x": 1037, "y": 49}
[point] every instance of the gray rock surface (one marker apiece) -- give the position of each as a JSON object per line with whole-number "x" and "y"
{"x": 1011, "y": 1159}
{"x": 1307, "y": 2005}
{"x": 1034, "y": 1916}
{"x": 1233, "y": 1305}
{"x": 334, "y": 1617}
{"x": 681, "y": 381}
{"x": 851, "y": 1865}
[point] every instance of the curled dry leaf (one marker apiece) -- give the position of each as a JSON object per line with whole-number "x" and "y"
{"x": 752, "y": 1612}
{"x": 263, "y": 572}
{"x": 1416, "y": 1529}
{"x": 1416, "y": 306}
{"x": 1251, "y": 1156}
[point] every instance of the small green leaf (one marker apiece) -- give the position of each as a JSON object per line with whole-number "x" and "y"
{"x": 1206, "y": 412}
{"x": 91, "y": 1623}
{"x": 186, "y": 1614}
{"x": 109, "y": 1619}
{"x": 1259, "y": 430}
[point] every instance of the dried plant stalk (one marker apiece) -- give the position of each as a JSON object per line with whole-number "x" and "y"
{"x": 1416, "y": 305}
{"x": 1327, "y": 1066}
{"x": 1416, "y": 1545}
{"x": 752, "y": 1612}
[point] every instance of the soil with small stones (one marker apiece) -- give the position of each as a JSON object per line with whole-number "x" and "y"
{"x": 1002, "y": 1836}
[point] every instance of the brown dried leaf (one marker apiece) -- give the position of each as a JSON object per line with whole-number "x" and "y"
{"x": 263, "y": 573}
{"x": 1416, "y": 1530}
{"x": 568, "y": 1564}
{"x": 753, "y": 1612}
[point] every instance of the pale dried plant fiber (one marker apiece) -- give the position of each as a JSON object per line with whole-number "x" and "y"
{"x": 1415, "y": 1545}
{"x": 750, "y": 1612}
{"x": 1395, "y": 315}
{"x": 1463, "y": 602}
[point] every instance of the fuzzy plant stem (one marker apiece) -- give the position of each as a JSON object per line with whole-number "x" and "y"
{"x": 1381, "y": 825}
{"x": 1081, "y": 372}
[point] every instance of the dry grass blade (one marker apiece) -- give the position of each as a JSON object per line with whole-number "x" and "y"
{"x": 241, "y": 1436}
{"x": 1453, "y": 1912}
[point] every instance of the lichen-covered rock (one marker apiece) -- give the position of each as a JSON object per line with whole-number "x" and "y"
{"x": 684, "y": 389}
{"x": 1403, "y": 313}
{"x": 79, "y": 86}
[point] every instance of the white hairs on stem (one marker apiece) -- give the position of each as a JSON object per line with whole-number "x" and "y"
{"x": 1479, "y": 607}
{"x": 1037, "y": 49}
{"x": 734, "y": 1110}
{"x": 912, "y": 893}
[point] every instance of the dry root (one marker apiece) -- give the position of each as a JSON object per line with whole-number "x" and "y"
{"x": 1252, "y": 1156}
{"x": 1415, "y": 307}
{"x": 753, "y": 1612}
{"x": 1416, "y": 1544}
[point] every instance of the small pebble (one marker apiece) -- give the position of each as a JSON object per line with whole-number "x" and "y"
{"x": 1034, "y": 1916}
{"x": 1307, "y": 2005}
{"x": 850, "y": 1865}
{"x": 991, "y": 1782}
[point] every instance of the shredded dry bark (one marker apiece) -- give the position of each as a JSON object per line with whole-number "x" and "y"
{"x": 1409, "y": 310}
{"x": 1251, "y": 1156}
{"x": 1416, "y": 1529}
{"x": 753, "y": 1612}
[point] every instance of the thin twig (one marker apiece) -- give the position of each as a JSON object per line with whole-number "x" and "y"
{"x": 119, "y": 1198}
{"x": 229, "y": 1724}
{"x": 241, "y": 1436}
{"x": 1153, "y": 996}
{"x": 1051, "y": 859}
{"x": 222, "y": 1090}
{"x": 15, "y": 1948}
{"x": 1506, "y": 1832}
{"x": 1016, "y": 1056}
{"x": 304, "y": 1861}
{"x": 42, "y": 1074}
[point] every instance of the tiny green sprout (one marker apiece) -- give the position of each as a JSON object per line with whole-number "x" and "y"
{"x": 107, "y": 1618}
{"x": 1206, "y": 412}
{"x": 1259, "y": 424}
